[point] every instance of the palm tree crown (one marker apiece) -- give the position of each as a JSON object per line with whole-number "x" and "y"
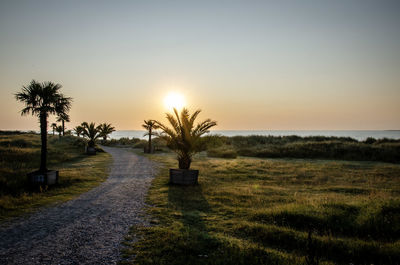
{"x": 105, "y": 129}
{"x": 78, "y": 130}
{"x": 184, "y": 136}
{"x": 91, "y": 131}
{"x": 42, "y": 100}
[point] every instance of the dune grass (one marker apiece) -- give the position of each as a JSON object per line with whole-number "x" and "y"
{"x": 313, "y": 147}
{"x": 20, "y": 154}
{"x": 272, "y": 211}
{"x": 342, "y": 148}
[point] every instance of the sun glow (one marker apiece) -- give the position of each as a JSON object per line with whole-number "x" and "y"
{"x": 174, "y": 100}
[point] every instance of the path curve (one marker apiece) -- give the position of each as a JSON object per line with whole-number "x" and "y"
{"x": 88, "y": 229}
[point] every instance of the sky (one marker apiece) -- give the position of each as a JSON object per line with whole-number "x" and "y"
{"x": 249, "y": 65}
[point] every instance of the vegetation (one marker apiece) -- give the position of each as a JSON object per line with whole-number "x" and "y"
{"x": 59, "y": 129}
{"x": 150, "y": 125}
{"x": 105, "y": 129}
{"x": 54, "y": 127}
{"x": 344, "y": 148}
{"x": 20, "y": 153}
{"x": 90, "y": 131}
{"x": 272, "y": 211}
{"x": 43, "y": 99}
{"x": 184, "y": 137}
{"x": 125, "y": 141}
{"x": 315, "y": 147}
{"x": 222, "y": 152}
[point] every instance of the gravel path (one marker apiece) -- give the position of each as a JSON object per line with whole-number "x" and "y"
{"x": 88, "y": 229}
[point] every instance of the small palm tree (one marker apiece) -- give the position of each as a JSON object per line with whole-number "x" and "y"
{"x": 91, "y": 131}
{"x": 149, "y": 125}
{"x": 43, "y": 99}
{"x": 59, "y": 129}
{"x": 105, "y": 129}
{"x": 184, "y": 136}
{"x": 63, "y": 118}
{"x": 78, "y": 130}
{"x": 54, "y": 126}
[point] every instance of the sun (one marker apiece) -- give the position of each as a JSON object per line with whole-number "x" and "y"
{"x": 174, "y": 100}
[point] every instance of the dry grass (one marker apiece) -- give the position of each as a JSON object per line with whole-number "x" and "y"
{"x": 260, "y": 211}
{"x": 20, "y": 154}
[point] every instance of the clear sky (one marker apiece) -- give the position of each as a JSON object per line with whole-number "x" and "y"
{"x": 248, "y": 64}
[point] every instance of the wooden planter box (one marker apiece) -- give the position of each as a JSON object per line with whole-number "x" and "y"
{"x": 38, "y": 178}
{"x": 183, "y": 176}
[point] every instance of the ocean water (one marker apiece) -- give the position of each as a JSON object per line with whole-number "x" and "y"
{"x": 356, "y": 134}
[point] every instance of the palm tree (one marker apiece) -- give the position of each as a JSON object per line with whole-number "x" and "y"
{"x": 105, "y": 129}
{"x": 53, "y": 126}
{"x": 63, "y": 117}
{"x": 59, "y": 129}
{"x": 78, "y": 130}
{"x": 184, "y": 137}
{"x": 149, "y": 125}
{"x": 91, "y": 131}
{"x": 43, "y": 99}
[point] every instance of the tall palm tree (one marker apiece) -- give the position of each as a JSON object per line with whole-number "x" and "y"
{"x": 105, "y": 129}
{"x": 53, "y": 126}
{"x": 78, "y": 130}
{"x": 184, "y": 136}
{"x": 149, "y": 125}
{"x": 42, "y": 100}
{"x": 91, "y": 131}
{"x": 63, "y": 118}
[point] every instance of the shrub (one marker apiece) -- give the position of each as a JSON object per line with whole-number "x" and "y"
{"x": 140, "y": 144}
{"x": 222, "y": 153}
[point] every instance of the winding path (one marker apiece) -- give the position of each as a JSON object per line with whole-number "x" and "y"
{"x": 88, "y": 229}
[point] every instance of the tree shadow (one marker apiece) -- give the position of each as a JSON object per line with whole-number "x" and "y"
{"x": 192, "y": 205}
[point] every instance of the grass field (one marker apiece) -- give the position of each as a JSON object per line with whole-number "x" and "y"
{"x": 272, "y": 211}
{"x": 20, "y": 154}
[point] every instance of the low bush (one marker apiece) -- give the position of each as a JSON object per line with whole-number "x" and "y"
{"x": 121, "y": 141}
{"x": 222, "y": 153}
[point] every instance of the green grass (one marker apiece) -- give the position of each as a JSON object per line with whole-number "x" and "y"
{"x": 260, "y": 211}
{"x": 20, "y": 154}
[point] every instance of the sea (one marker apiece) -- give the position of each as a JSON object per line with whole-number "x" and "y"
{"x": 359, "y": 135}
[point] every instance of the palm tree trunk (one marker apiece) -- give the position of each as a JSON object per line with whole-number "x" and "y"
{"x": 63, "y": 126}
{"x": 43, "y": 136}
{"x": 150, "y": 141}
{"x": 184, "y": 161}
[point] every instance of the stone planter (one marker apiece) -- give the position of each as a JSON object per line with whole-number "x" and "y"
{"x": 183, "y": 176}
{"x": 38, "y": 178}
{"x": 90, "y": 150}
